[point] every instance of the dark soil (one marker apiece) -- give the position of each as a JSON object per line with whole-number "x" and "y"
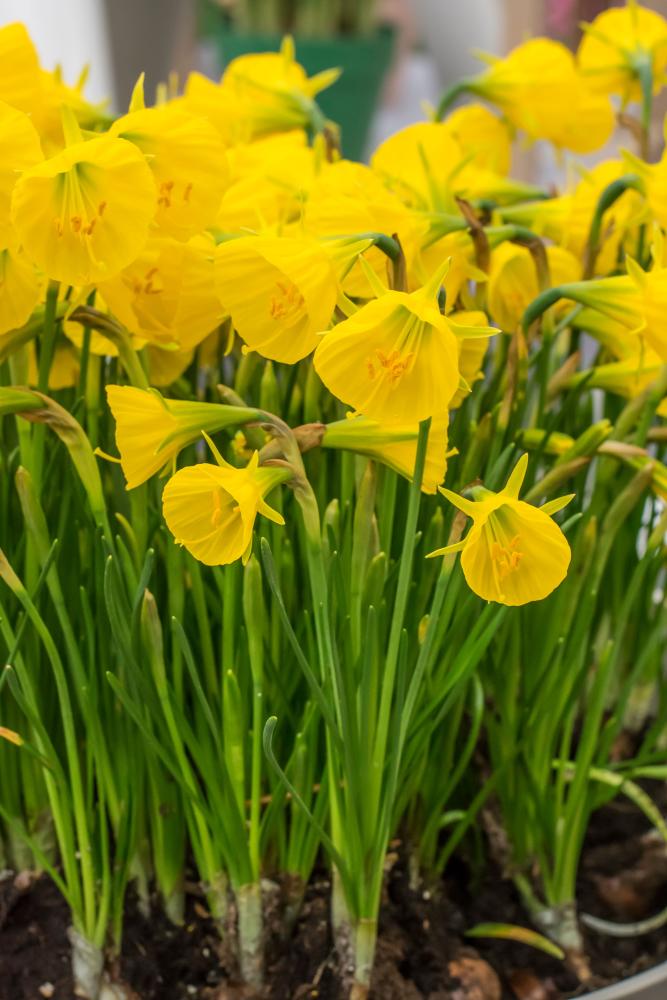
{"x": 423, "y": 953}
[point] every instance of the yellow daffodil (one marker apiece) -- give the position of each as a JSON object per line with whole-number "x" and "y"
{"x": 483, "y": 134}
{"x": 538, "y": 88}
{"x": 188, "y": 161}
{"x": 514, "y": 553}
{"x": 396, "y": 359}
{"x": 280, "y": 292}
{"x": 20, "y": 289}
{"x": 152, "y": 430}
{"x": 395, "y": 446}
{"x": 211, "y": 509}
{"x": 513, "y": 281}
{"x": 621, "y": 44}
{"x": 259, "y": 95}
{"x": 47, "y": 117}
{"x": 427, "y": 169}
{"x": 167, "y": 294}
{"x": 567, "y": 219}
{"x": 269, "y": 182}
{"x": 19, "y": 148}
{"x": 636, "y": 300}
{"x": 349, "y": 197}
{"x": 83, "y": 214}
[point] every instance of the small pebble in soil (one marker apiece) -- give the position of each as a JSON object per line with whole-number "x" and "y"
{"x": 47, "y": 990}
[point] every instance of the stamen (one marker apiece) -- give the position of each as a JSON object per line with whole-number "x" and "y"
{"x": 394, "y": 365}
{"x": 286, "y": 301}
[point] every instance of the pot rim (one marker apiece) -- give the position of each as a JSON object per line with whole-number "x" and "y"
{"x": 633, "y": 987}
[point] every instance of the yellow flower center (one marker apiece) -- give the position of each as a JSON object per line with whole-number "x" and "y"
{"x": 286, "y": 300}
{"x": 167, "y": 192}
{"x": 393, "y": 366}
{"x": 145, "y": 286}
{"x": 78, "y": 215}
{"x": 222, "y": 507}
{"x": 506, "y": 558}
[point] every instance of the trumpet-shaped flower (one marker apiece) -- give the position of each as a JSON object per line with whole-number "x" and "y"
{"x": 83, "y": 214}
{"x": 539, "y": 89}
{"x": 396, "y": 359}
{"x": 280, "y": 291}
{"x": 152, "y": 430}
{"x": 167, "y": 294}
{"x": 427, "y": 169}
{"x": 211, "y": 509}
{"x": 514, "y": 553}
{"x": 259, "y": 95}
{"x": 480, "y": 132}
{"x": 350, "y": 198}
{"x": 619, "y": 45}
{"x": 269, "y": 182}
{"x": 188, "y": 161}
{"x": 394, "y": 446}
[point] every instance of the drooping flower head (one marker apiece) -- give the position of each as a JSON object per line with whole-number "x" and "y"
{"x": 20, "y": 289}
{"x": 259, "y": 94}
{"x": 617, "y": 43}
{"x": 514, "y": 553}
{"x": 280, "y": 292}
{"x": 538, "y": 88}
{"x": 152, "y": 430}
{"x": 211, "y": 509}
{"x": 188, "y": 161}
{"x": 167, "y": 294}
{"x": 83, "y": 214}
{"x": 396, "y": 359}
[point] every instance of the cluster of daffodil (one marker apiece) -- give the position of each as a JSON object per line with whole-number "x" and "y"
{"x": 289, "y": 389}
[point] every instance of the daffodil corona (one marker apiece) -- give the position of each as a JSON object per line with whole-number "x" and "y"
{"x": 396, "y": 359}
{"x": 84, "y": 214}
{"x": 514, "y": 553}
{"x": 211, "y": 509}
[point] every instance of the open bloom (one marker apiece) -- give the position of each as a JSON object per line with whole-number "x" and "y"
{"x": 259, "y": 94}
{"x": 539, "y": 89}
{"x": 167, "y": 294}
{"x": 152, "y": 430}
{"x": 280, "y": 292}
{"x": 188, "y": 161}
{"x": 619, "y": 45}
{"x": 83, "y": 214}
{"x": 396, "y": 359}
{"x": 211, "y": 509}
{"x": 514, "y": 553}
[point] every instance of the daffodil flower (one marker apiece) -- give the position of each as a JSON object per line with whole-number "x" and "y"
{"x": 152, "y": 430}
{"x": 84, "y": 214}
{"x": 280, "y": 291}
{"x": 514, "y": 553}
{"x": 211, "y": 509}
